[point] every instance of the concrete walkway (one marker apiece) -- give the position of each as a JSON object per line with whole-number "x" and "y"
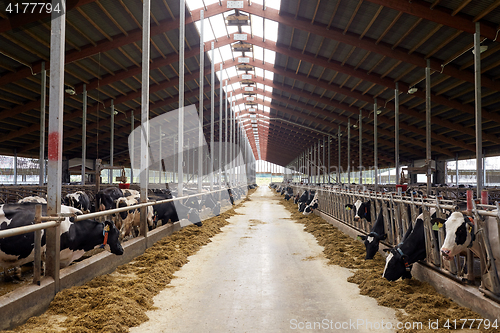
{"x": 263, "y": 274}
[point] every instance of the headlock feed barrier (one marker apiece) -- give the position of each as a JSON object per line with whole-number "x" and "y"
{"x": 400, "y": 212}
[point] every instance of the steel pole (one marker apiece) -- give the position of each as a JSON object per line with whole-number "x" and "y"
{"x": 212, "y": 115}
{"x": 349, "y": 152}
{"x": 360, "y": 126}
{"x": 56, "y": 115}
{"x": 43, "y": 95}
{"x": 339, "y": 134}
{"x": 144, "y": 178}
{"x": 396, "y": 124}
{"x": 200, "y": 99}
{"x": 180, "y": 144}
{"x": 428, "y": 128}
{"x": 478, "y": 106}
{"x": 226, "y": 140}
{"x": 84, "y": 132}
{"x": 375, "y": 142}
{"x": 112, "y": 142}
{"x": 221, "y": 92}
{"x": 132, "y": 160}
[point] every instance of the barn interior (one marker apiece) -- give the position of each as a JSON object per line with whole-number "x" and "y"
{"x": 343, "y": 71}
{"x": 333, "y": 91}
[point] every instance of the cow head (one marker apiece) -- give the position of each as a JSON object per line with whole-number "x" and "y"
{"x": 311, "y": 207}
{"x": 372, "y": 241}
{"x": 360, "y": 209}
{"x": 460, "y": 235}
{"x": 112, "y": 240}
{"x": 396, "y": 265}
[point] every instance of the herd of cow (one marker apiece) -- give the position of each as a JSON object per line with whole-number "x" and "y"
{"x": 459, "y": 228}
{"x": 76, "y": 238}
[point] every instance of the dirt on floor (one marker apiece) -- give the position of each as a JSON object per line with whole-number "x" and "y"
{"x": 415, "y": 301}
{"x": 114, "y": 302}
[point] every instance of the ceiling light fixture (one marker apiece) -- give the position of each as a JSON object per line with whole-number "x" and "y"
{"x": 482, "y": 48}
{"x": 70, "y": 91}
{"x": 412, "y": 90}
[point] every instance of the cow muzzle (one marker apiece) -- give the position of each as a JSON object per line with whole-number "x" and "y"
{"x": 446, "y": 254}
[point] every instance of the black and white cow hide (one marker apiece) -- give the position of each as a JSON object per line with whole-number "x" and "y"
{"x": 412, "y": 249}
{"x": 76, "y": 238}
{"x": 372, "y": 240}
{"x": 362, "y": 210}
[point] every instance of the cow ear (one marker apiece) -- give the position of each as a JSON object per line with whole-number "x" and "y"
{"x": 109, "y": 223}
{"x": 386, "y": 250}
{"x": 437, "y": 220}
{"x": 384, "y": 236}
{"x": 405, "y": 258}
{"x": 348, "y": 207}
{"x": 362, "y": 237}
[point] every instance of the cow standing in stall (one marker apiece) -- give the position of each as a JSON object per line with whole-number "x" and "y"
{"x": 80, "y": 200}
{"x": 131, "y": 219}
{"x": 461, "y": 229}
{"x": 412, "y": 249}
{"x": 312, "y": 205}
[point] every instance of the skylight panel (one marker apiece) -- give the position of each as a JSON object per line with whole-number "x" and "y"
{"x": 226, "y": 52}
{"x": 231, "y": 71}
{"x": 267, "y": 109}
{"x": 208, "y": 35}
{"x": 269, "y": 75}
{"x": 194, "y": 4}
{"x": 275, "y": 4}
{"x": 218, "y": 25}
{"x": 257, "y": 26}
{"x": 270, "y": 56}
{"x": 271, "y": 29}
{"x": 267, "y": 99}
{"x": 259, "y": 72}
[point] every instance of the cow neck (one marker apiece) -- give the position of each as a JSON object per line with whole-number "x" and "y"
{"x": 470, "y": 222}
{"x": 413, "y": 243}
{"x": 378, "y": 227}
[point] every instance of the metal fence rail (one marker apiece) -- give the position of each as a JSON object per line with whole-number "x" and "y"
{"x": 45, "y": 222}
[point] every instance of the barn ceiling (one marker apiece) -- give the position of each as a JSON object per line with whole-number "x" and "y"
{"x": 331, "y": 60}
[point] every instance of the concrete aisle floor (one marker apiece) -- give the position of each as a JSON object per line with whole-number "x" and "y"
{"x": 263, "y": 274}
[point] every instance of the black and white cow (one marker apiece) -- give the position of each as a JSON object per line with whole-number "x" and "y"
{"x": 173, "y": 212}
{"x": 76, "y": 238}
{"x": 106, "y": 198}
{"x": 305, "y": 199}
{"x": 80, "y": 200}
{"x": 460, "y": 232}
{"x": 372, "y": 240}
{"x": 131, "y": 219}
{"x": 288, "y": 193}
{"x": 412, "y": 249}
{"x": 34, "y": 199}
{"x": 362, "y": 210}
{"x": 312, "y": 205}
